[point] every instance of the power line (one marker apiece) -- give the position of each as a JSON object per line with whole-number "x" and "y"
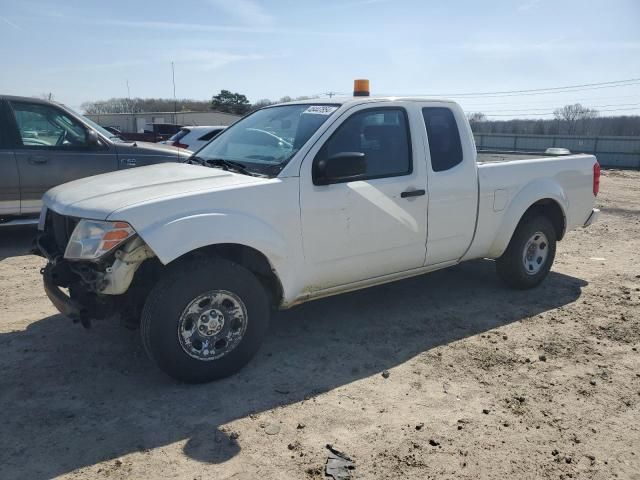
{"x": 582, "y": 99}
{"x": 614, "y": 83}
{"x": 506, "y": 93}
{"x": 540, "y": 93}
{"x": 537, "y": 91}
{"x": 551, "y": 113}
{"x": 544, "y": 109}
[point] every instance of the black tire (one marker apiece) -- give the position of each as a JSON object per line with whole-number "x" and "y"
{"x": 177, "y": 289}
{"x": 511, "y": 266}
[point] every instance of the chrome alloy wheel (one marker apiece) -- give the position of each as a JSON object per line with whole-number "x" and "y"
{"x": 535, "y": 253}
{"x": 212, "y": 325}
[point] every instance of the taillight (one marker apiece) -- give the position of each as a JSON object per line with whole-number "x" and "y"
{"x": 179, "y": 145}
{"x": 596, "y": 178}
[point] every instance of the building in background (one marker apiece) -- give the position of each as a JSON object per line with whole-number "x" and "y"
{"x": 137, "y": 122}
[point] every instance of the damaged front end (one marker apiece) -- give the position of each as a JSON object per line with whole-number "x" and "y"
{"x": 99, "y": 266}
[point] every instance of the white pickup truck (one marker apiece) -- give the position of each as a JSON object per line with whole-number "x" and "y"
{"x": 295, "y": 202}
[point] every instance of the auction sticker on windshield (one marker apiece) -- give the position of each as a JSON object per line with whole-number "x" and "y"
{"x": 321, "y": 109}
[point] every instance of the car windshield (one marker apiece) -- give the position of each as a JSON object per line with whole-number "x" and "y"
{"x": 266, "y": 140}
{"x": 95, "y": 126}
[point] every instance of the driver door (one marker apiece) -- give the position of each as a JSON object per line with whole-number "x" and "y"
{"x": 355, "y": 230}
{"x": 53, "y": 148}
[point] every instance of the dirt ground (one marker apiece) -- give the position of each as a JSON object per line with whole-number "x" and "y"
{"x": 449, "y": 375}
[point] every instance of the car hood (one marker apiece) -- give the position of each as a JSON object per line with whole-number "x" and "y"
{"x": 98, "y": 196}
{"x": 148, "y": 148}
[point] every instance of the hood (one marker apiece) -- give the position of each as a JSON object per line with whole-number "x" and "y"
{"x": 148, "y": 148}
{"x": 98, "y": 196}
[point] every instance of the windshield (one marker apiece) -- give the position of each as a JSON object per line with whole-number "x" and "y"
{"x": 95, "y": 126}
{"x": 267, "y": 139}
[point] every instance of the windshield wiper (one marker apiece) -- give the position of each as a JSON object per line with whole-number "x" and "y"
{"x": 227, "y": 165}
{"x": 195, "y": 160}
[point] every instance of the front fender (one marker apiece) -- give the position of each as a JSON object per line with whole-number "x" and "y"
{"x": 171, "y": 238}
{"x": 540, "y": 189}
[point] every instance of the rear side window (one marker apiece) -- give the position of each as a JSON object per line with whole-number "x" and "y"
{"x": 166, "y": 128}
{"x": 179, "y": 135}
{"x": 382, "y": 134}
{"x": 444, "y": 138}
{"x": 210, "y": 135}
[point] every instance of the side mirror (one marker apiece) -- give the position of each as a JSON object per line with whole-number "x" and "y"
{"x": 92, "y": 139}
{"x": 338, "y": 168}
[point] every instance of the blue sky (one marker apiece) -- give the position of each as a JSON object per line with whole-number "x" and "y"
{"x": 87, "y": 50}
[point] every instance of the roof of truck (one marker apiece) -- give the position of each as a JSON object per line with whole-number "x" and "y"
{"x": 359, "y": 100}
{"x": 16, "y": 98}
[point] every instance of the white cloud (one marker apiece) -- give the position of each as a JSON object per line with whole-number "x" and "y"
{"x": 529, "y": 5}
{"x": 201, "y": 59}
{"x": 199, "y": 27}
{"x": 246, "y": 11}
{"x": 212, "y": 59}
{"x": 10, "y": 23}
{"x": 553, "y": 45}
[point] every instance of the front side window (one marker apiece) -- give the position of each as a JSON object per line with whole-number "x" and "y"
{"x": 381, "y": 134}
{"x": 48, "y": 127}
{"x": 444, "y": 138}
{"x": 267, "y": 139}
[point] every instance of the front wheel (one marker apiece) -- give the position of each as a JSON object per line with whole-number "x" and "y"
{"x": 530, "y": 254}
{"x": 205, "y": 319}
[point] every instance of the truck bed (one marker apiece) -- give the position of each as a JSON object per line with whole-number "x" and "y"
{"x": 491, "y": 156}
{"x": 508, "y": 179}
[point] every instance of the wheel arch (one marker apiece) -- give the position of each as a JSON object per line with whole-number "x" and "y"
{"x": 242, "y": 238}
{"x": 552, "y": 204}
{"x": 250, "y": 258}
{"x": 551, "y": 209}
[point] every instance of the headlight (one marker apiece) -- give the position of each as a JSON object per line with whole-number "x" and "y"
{"x": 91, "y": 239}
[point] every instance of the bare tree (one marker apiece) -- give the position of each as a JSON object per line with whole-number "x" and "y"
{"x": 264, "y": 102}
{"x": 573, "y": 116}
{"x": 475, "y": 118}
{"x": 138, "y": 105}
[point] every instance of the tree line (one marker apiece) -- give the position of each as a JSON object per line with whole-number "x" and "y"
{"x": 568, "y": 120}
{"x": 225, "y": 101}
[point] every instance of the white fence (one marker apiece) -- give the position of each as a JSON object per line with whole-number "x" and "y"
{"x": 616, "y": 152}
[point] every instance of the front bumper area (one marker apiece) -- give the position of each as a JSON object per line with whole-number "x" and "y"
{"x": 80, "y": 304}
{"x": 60, "y": 300}
{"x": 593, "y": 216}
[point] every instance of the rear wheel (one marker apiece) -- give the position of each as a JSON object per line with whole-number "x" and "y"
{"x": 204, "y": 320}
{"x": 530, "y": 254}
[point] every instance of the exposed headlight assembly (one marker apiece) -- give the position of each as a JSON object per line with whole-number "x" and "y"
{"x": 91, "y": 239}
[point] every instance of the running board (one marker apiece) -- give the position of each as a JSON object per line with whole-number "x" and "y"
{"x": 19, "y": 221}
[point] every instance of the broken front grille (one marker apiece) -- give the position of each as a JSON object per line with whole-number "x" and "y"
{"x": 61, "y": 227}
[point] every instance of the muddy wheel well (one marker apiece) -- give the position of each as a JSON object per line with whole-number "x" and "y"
{"x": 550, "y": 209}
{"x": 251, "y": 259}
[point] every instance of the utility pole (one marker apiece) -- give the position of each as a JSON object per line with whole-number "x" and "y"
{"x": 330, "y": 94}
{"x": 173, "y": 75}
{"x": 132, "y": 128}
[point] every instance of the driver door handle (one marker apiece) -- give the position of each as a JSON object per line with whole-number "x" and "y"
{"x": 412, "y": 193}
{"x": 37, "y": 159}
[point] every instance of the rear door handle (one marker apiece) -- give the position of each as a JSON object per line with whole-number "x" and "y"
{"x": 38, "y": 159}
{"x": 412, "y": 193}
{"x": 131, "y": 162}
